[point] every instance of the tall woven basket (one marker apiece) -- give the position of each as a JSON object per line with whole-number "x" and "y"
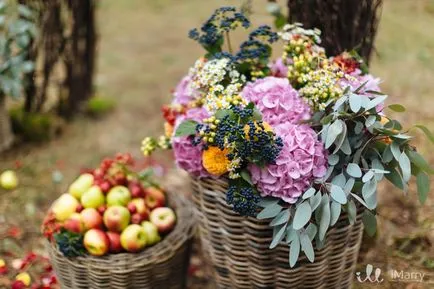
{"x": 162, "y": 266}
{"x": 6, "y": 137}
{"x": 238, "y": 248}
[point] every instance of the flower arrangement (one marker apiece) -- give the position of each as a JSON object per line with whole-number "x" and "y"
{"x": 299, "y": 140}
{"x": 111, "y": 209}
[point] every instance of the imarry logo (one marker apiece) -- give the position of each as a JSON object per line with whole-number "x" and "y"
{"x": 372, "y": 275}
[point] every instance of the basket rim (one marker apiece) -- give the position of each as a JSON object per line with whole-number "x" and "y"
{"x": 171, "y": 243}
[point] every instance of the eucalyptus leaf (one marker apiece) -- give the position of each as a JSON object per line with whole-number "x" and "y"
{"x": 315, "y": 200}
{"x": 354, "y": 170}
{"x": 346, "y": 148}
{"x": 281, "y": 218}
{"x": 309, "y": 193}
{"x": 186, "y": 128}
{"x": 279, "y": 236}
{"x": 395, "y": 178}
{"x": 369, "y": 188}
{"x": 387, "y": 154}
{"x": 268, "y": 201}
{"x": 302, "y": 215}
{"x": 420, "y": 162}
{"x": 338, "y": 194}
{"x": 397, "y": 107}
{"x": 355, "y": 102}
{"x": 270, "y": 211}
{"x": 334, "y": 130}
{"x": 307, "y": 247}
{"x": 333, "y": 159}
{"x": 371, "y": 201}
{"x": 349, "y": 185}
{"x": 368, "y": 176}
{"x": 339, "y": 180}
{"x": 341, "y": 138}
{"x": 246, "y": 176}
{"x": 311, "y": 230}
{"x": 352, "y": 211}
{"x": 370, "y": 120}
{"x": 325, "y": 217}
{"x": 376, "y": 101}
{"x": 291, "y": 234}
{"x": 359, "y": 199}
{"x": 423, "y": 186}
{"x": 335, "y": 212}
{"x": 404, "y": 164}
{"x": 294, "y": 251}
{"x": 358, "y": 128}
{"x": 426, "y": 131}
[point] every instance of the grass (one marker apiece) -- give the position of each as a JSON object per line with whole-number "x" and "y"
{"x": 143, "y": 51}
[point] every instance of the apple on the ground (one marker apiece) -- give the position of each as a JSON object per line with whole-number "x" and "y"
{"x": 118, "y": 195}
{"x": 116, "y": 218}
{"x": 141, "y": 207}
{"x": 152, "y": 236}
{"x": 93, "y": 198}
{"x": 64, "y": 207}
{"x": 115, "y": 242}
{"x": 74, "y": 223}
{"x": 8, "y": 180}
{"x": 154, "y": 198}
{"x": 81, "y": 185}
{"x": 96, "y": 242}
{"x": 164, "y": 219}
{"x": 91, "y": 219}
{"x": 133, "y": 238}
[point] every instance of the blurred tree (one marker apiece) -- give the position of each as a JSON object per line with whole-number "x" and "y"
{"x": 345, "y": 24}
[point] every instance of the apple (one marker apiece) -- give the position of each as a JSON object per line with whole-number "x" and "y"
{"x": 141, "y": 208}
{"x": 132, "y": 208}
{"x": 133, "y": 238}
{"x": 91, "y": 219}
{"x": 102, "y": 209}
{"x": 79, "y": 208}
{"x": 118, "y": 195}
{"x": 136, "y": 218}
{"x": 64, "y": 207}
{"x": 93, "y": 198}
{"x": 96, "y": 242}
{"x": 136, "y": 189}
{"x": 81, "y": 185}
{"x": 105, "y": 187}
{"x": 152, "y": 236}
{"x": 116, "y": 218}
{"x": 74, "y": 223}
{"x": 154, "y": 198}
{"x": 115, "y": 242}
{"x": 164, "y": 218}
{"x": 8, "y": 180}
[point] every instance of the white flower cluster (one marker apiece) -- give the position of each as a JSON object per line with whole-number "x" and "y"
{"x": 209, "y": 77}
{"x": 290, "y": 30}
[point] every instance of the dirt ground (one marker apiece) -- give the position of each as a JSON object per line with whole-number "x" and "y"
{"x": 143, "y": 51}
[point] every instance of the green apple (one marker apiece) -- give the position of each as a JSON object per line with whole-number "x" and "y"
{"x": 118, "y": 196}
{"x": 133, "y": 238}
{"x": 93, "y": 198}
{"x": 64, "y": 207}
{"x": 152, "y": 236}
{"x": 8, "y": 180}
{"x": 81, "y": 185}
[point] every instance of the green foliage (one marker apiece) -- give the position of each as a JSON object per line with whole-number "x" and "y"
{"x": 17, "y": 32}
{"x": 186, "y": 128}
{"x": 99, "y": 106}
{"x": 70, "y": 244}
{"x": 35, "y": 127}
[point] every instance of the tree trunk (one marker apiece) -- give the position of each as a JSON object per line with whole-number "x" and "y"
{"x": 6, "y": 136}
{"x": 345, "y": 24}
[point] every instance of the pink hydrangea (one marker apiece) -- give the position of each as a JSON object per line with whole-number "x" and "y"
{"x": 184, "y": 92}
{"x": 302, "y": 159}
{"x": 188, "y": 156}
{"x": 277, "y": 100}
{"x": 278, "y": 68}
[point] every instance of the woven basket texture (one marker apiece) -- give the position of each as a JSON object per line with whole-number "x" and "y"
{"x": 163, "y": 265}
{"x": 238, "y": 248}
{"x": 6, "y": 137}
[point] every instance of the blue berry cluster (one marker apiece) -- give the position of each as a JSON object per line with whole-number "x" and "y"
{"x": 222, "y": 20}
{"x": 244, "y": 199}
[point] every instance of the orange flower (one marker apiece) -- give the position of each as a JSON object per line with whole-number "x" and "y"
{"x": 168, "y": 129}
{"x": 215, "y": 161}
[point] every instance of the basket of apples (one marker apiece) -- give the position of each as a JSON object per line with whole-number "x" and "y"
{"x": 116, "y": 228}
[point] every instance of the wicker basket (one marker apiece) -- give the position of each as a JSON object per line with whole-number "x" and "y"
{"x": 162, "y": 266}
{"x": 238, "y": 248}
{"x": 6, "y": 137}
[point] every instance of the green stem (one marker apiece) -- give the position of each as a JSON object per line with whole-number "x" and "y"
{"x": 228, "y": 39}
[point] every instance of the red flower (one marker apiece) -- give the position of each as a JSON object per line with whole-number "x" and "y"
{"x": 14, "y": 232}
{"x": 17, "y": 284}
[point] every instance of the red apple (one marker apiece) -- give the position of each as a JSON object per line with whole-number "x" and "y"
{"x": 115, "y": 242}
{"x": 133, "y": 238}
{"x": 118, "y": 195}
{"x": 164, "y": 218}
{"x": 155, "y": 198}
{"x": 136, "y": 218}
{"x": 96, "y": 242}
{"x": 102, "y": 209}
{"x": 91, "y": 219}
{"x": 105, "y": 187}
{"x": 74, "y": 223}
{"x": 141, "y": 208}
{"x": 79, "y": 208}
{"x": 116, "y": 218}
{"x": 136, "y": 189}
{"x": 132, "y": 208}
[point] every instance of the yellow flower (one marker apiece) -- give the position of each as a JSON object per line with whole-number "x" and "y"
{"x": 215, "y": 161}
{"x": 24, "y": 277}
{"x": 266, "y": 126}
{"x": 168, "y": 129}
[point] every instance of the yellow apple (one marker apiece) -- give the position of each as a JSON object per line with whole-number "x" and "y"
{"x": 93, "y": 198}
{"x": 8, "y": 180}
{"x": 81, "y": 185}
{"x": 64, "y": 207}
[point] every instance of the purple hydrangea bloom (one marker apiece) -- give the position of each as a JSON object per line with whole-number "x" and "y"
{"x": 184, "y": 92}
{"x": 188, "y": 156}
{"x": 277, "y": 100}
{"x": 302, "y": 159}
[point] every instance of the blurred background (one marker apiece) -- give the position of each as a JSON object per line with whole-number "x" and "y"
{"x": 105, "y": 69}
